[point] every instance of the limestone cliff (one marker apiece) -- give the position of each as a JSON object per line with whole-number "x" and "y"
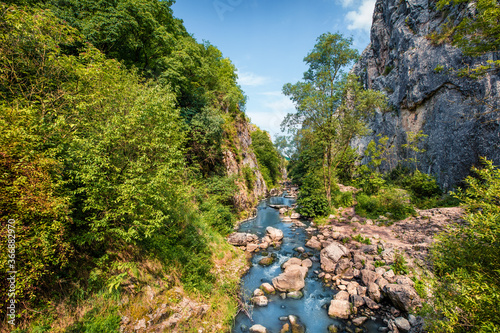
{"x": 238, "y": 156}
{"x": 425, "y": 93}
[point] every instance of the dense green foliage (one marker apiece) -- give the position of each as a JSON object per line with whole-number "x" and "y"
{"x": 267, "y": 156}
{"x": 467, "y": 260}
{"x": 476, "y": 34}
{"x": 113, "y": 122}
{"x": 390, "y": 201}
{"x": 332, "y": 109}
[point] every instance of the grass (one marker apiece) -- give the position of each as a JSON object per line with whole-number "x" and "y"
{"x": 152, "y": 285}
{"x": 400, "y": 266}
{"x": 361, "y": 239}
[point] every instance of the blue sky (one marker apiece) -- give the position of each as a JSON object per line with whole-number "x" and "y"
{"x": 267, "y": 41}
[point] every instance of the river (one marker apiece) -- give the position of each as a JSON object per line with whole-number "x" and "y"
{"x": 312, "y": 308}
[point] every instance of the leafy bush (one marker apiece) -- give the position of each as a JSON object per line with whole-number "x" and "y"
{"x": 390, "y": 200}
{"x": 312, "y": 201}
{"x": 421, "y": 185}
{"x": 342, "y": 199}
{"x": 467, "y": 260}
{"x": 249, "y": 176}
{"x": 371, "y": 182}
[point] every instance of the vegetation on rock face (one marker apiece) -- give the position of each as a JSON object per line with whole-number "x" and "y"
{"x": 113, "y": 122}
{"x": 477, "y": 32}
{"x": 267, "y": 156}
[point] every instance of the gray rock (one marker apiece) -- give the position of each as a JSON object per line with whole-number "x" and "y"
{"x": 374, "y": 292}
{"x": 368, "y": 277}
{"x": 402, "y": 62}
{"x": 295, "y": 295}
{"x": 371, "y": 304}
{"x": 357, "y": 301}
{"x": 381, "y": 282}
{"x": 258, "y": 292}
{"x": 296, "y": 325}
{"x": 402, "y": 324}
{"x": 404, "y": 297}
{"x": 267, "y": 288}
{"x": 341, "y": 296}
{"x": 330, "y": 255}
{"x": 359, "y": 321}
{"x": 313, "y": 243}
{"x": 241, "y": 238}
{"x": 412, "y": 319}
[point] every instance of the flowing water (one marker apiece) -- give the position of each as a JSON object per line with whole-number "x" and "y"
{"x": 312, "y": 308}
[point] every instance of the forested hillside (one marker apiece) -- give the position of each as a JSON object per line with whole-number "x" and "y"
{"x": 121, "y": 164}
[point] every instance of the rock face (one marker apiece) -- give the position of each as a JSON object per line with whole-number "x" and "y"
{"x": 424, "y": 95}
{"x": 243, "y": 198}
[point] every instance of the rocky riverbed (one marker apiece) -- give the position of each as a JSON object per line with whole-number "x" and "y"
{"x": 350, "y": 275}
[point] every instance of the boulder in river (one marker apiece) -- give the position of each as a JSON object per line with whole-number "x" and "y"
{"x": 268, "y": 288}
{"x": 266, "y": 261}
{"x": 258, "y": 329}
{"x": 339, "y": 309}
{"x": 260, "y": 300}
{"x": 292, "y": 279}
{"x": 276, "y": 235}
{"x": 313, "y": 243}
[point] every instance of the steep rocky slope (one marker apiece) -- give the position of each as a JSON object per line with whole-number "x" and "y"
{"x": 425, "y": 93}
{"x": 239, "y": 155}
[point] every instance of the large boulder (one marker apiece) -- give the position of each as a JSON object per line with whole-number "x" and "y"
{"x": 330, "y": 255}
{"x": 241, "y": 238}
{"x": 339, "y": 309}
{"x": 292, "y": 279}
{"x": 368, "y": 276}
{"x": 403, "y": 296}
{"x": 290, "y": 262}
{"x": 313, "y": 243}
{"x": 276, "y": 235}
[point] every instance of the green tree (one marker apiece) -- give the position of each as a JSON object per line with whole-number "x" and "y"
{"x": 413, "y": 141}
{"x": 334, "y": 106}
{"x": 267, "y": 156}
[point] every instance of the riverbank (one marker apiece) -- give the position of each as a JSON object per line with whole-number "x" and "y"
{"x": 368, "y": 272}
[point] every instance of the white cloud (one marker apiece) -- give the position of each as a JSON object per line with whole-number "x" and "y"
{"x": 281, "y": 106}
{"x": 271, "y": 112}
{"x": 346, "y": 3}
{"x": 362, "y": 17}
{"x": 251, "y": 79}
